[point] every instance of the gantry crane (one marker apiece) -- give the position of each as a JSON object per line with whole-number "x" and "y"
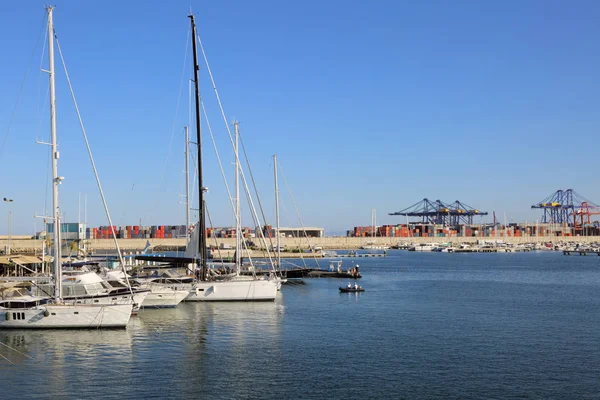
{"x": 440, "y": 213}
{"x": 583, "y": 216}
{"x": 562, "y": 206}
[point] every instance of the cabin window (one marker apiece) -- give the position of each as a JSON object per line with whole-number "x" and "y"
{"x": 22, "y": 315}
{"x": 53, "y": 313}
{"x": 96, "y": 301}
{"x": 76, "y": 312}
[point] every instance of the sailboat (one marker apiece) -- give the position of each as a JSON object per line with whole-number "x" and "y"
{"x": 372, "y": 245}
{"x": 26, "y": 311}
{"x": 236, "y": 287}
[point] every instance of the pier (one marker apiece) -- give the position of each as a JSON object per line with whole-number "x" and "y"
{"x": 581, "y": 252}
{"x": 352, "y": 255}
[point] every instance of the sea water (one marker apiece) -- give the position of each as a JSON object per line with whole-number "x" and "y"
{"x": 429, "y": 325}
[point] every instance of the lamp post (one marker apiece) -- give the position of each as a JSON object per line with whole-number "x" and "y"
{"x": 7, "y": 200}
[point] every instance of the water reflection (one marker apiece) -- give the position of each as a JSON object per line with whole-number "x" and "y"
{"x": 22, "y": 346}
{"x": 50, "y": 358}
{"x": 352, "y": 296}
{"x": 181, "y": 349}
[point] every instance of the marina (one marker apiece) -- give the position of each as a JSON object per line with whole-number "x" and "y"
{"x": 214, "y": 274}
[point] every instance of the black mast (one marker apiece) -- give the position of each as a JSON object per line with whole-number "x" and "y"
{"x": 201, "y": 220}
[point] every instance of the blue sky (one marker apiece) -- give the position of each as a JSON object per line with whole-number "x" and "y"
{"x": 367, "y": 105}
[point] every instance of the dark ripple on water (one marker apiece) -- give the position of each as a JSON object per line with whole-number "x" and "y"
{"x": 504, "y": 326}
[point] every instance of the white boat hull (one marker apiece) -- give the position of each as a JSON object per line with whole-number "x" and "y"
{"x": 422, "y": 248}
{"x": 164, "y": 298}
{"x": 234, "y": 290}
{"x": 59, "y": 316}
{"x": 138, "y": 299}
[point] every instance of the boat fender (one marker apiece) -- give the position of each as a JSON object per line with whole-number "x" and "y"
{"x": 46, "y": 313}
{"x": 8, "y": 316}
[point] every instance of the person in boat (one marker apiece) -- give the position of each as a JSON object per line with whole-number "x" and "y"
{"x": 355, "y": 285}
{"x": 349, "y": 286}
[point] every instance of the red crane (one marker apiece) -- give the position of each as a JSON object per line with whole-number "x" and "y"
{"x": 584, "y": 214}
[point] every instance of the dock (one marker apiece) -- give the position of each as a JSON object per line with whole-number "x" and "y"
{"x": 349, "y": 255}
{"x": 581, "y": 252}
{"x": 320, "y": 273}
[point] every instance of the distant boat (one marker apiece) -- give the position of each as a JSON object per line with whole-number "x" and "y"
{"x": 371, "y": 245}
{"x": 374, "y": 246}
{"x": 335, "y": 271}
{"x": 351, "y": 289}
{"x": 423, "y": 247}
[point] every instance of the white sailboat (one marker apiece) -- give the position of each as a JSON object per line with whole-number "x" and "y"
{"x": 25, "y": 312}
{"x": 372, "y": 245}
{"x": 87, "y": 287}
{"x": 236, "y": 287}
{"x": 155, "y": 295}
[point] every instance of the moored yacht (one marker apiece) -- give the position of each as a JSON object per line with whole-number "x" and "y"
{"x": 23, "y": 311}
{"x": 234, "y": 290}
{"x": 423, "y": 247}
{"x": 157, "y": 295}
{"x": 213, "y": 288}
{"x": 20, "y": 310}
{"x": 85, "y": 287}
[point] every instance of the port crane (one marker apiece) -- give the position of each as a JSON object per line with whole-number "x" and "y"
{"x": 440, "y": 213}
{"x": 583, "y": 216}
{"x": 563, "y": 207}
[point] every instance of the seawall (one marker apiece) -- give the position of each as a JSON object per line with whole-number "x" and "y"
{"x": 31, "y": 246}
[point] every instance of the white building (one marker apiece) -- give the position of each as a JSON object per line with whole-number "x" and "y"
{"x": 301, "y": 232}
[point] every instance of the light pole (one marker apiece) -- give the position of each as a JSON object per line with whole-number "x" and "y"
{"x": 7, "y": 200}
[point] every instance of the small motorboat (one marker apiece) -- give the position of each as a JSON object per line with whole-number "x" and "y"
{"x": 351, "y": 289}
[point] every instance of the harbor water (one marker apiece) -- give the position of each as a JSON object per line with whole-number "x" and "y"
{"x": 429, "y": 325}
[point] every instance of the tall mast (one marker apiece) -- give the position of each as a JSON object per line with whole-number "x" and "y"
{"x": 201, "y": 206}
{"x": 187, "y": 186}
{"x": 55, "y": 178}
{"x": 373, "y": 222}
{"x": 277, "y": 211}
{"x": 238, "y": 217}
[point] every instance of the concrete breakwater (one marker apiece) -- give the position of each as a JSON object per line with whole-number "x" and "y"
{"x": 325, "y": 243}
